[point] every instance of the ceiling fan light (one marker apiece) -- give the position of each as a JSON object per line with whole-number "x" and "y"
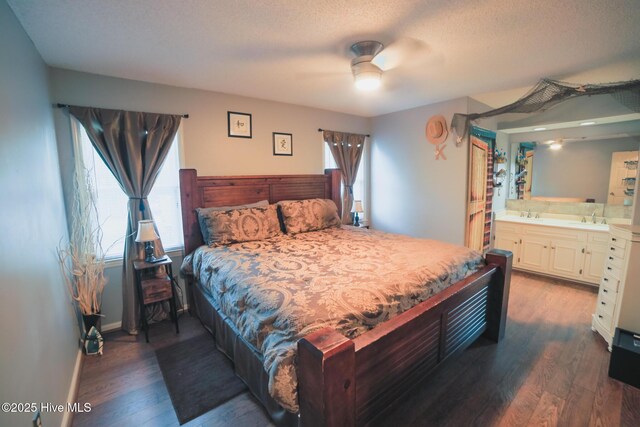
{"x": 367, "y": 76}
{"x": 367, "y": 81}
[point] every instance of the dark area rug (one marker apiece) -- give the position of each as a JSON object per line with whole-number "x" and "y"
{"x": 198, "y": 376}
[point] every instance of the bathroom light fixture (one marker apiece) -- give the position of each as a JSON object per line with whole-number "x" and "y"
{"x": 555, "y": 146}
{"x": 587, "y": 123}
{"x": 536, "y": 129}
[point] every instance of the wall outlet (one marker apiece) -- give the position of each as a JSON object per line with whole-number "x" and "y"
{"x": 37, "y": 419}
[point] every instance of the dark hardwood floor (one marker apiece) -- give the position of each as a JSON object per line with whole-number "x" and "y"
{"x": 551, "y": 369}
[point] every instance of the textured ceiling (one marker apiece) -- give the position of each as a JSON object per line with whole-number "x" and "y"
{"x": 297, "y": 50}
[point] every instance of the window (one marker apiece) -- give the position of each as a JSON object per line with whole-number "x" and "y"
{"x": 360, "y": 186}
{"x": 112, "y": 202}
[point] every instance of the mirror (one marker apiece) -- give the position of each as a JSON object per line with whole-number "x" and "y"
{"x": 588, "y": 170}
{"x": 562, "y": 156}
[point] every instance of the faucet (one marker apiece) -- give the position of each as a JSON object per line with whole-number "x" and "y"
{"x": 604, "y": 220}
{"x": 593, "y": 217}
{"x": 529, "y": 213}
{"x": 537, "y": 215}
{"x": 584, "y": 219}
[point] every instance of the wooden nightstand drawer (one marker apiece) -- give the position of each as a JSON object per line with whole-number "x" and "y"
{"x": 156, "y": 289}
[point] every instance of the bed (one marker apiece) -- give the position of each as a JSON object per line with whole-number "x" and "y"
{"x": 350, "y": 369}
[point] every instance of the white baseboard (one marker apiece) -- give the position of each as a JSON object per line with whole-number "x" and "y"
{"x": 109, "y": 327}
{"x": 72, "y": 397}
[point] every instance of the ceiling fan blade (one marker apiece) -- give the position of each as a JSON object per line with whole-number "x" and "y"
{"x": 399, "y": 52}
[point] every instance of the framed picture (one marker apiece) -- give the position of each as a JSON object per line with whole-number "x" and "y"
{"x": 239, "y": 124}
{"x": 282, "y": 144}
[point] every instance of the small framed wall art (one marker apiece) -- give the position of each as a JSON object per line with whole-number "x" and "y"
{"x": 282, "y": 144}
{"x": 239, "y": 124}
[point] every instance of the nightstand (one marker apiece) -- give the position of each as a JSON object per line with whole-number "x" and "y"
{"x": 153, "y": 288}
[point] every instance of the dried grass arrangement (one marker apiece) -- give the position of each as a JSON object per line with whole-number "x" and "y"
{"x": 82, "y": 259}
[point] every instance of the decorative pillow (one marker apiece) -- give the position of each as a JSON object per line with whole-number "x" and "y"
{"x": 309, "y": 215}
{"x": 242, "y": 225}
{"x": 204, "y": 212}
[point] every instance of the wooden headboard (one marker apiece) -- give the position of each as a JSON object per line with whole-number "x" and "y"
{"x": 210, "y": 191}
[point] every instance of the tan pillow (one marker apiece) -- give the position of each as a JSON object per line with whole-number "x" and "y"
{"x": 242, "y": 225}
{"x": 309, "y": 215}
{"x": 204, "y": 212}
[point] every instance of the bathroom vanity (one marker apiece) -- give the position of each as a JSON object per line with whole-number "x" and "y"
{"x": 565, "y": 248}
{"x": 598, "y": 254}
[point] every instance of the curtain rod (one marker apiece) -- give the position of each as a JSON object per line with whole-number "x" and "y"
{"x": 322, "y": 130}
{"x": 185, "y": 116}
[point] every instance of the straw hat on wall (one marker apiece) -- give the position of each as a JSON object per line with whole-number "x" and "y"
{"x": 436, "y": 130}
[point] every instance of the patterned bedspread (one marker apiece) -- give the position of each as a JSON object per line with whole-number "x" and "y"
{"x": 280, "y": 289}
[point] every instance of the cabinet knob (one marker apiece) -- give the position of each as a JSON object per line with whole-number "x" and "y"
{"x": 605, "y": 291}
{"x": 545, "y": 246}
{"x": 611, "y": 258}
{"x": 609, "y": 268}
{"x": 614, "y": 239}
{"x": 605, "y": 279}
{"x": 600, "y": 316}
{"x": 603, "y": 303}
{"x": 613, "y": 249}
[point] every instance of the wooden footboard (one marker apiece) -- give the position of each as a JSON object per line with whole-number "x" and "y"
{"x": 343, "y": 382}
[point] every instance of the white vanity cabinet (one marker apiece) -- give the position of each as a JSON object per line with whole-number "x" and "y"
{"x": 595, "y": 256}
{"x": 569, "y": 253}
{"x": 508, "y": 238}
{"x": 618, "y": 304}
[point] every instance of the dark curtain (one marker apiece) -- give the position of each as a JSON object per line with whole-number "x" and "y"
{"x": 133, "y": 146}
{"x": 346, "y": 149}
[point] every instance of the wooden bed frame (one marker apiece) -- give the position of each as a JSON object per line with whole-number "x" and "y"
{"x": 348, "y": 382}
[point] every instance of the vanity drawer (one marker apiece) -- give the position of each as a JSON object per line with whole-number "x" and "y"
{"x": 608, "y": 297}
{"x": 507, "y": 227}
{"x": 617, "y": 241}
{"x": 616, "y": 251}
{"x": 614, "y": 260}
{"x": 610, "y": 283}
{"x": 604, "y": 319}
{"x": 555, "y": 233}
{"x": 605, "y": 305}
{"x": 598, "y": 237}
{"x": 612, "y": 270}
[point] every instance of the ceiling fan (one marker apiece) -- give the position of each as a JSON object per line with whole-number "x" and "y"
{"x": 372, "y": 58}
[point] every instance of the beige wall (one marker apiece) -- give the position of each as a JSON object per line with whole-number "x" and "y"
{"x": 411, "y": 192}
{"x": 38, "y": 329}
{"x": 207, "y": 147}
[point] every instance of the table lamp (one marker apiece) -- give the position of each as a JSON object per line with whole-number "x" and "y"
{"x": 357, "y": 209}
{"x": 147, "y": 234}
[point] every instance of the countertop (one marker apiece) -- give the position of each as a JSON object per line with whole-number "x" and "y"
{"x": 557, "y": 222}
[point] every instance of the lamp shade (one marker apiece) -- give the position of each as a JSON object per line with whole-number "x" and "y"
{"x": 146, "y": 231}
{"x": 357, "y": 206}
